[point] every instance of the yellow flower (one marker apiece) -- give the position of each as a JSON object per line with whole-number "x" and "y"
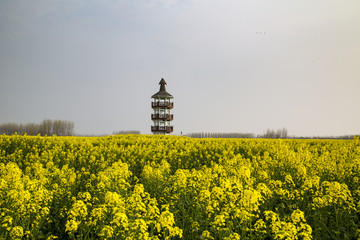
{"x": 16, "y": 232}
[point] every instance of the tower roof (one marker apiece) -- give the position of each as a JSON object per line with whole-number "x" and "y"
{"x": 162, "y": 93}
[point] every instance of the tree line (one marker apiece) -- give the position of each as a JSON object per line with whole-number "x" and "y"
{"x": 126, "y": 132}
{"x": 328, "y": 137}
{"x": 46, "y": 127}
{"x": 221, "y": 135}
{"x": 269, "y": 133}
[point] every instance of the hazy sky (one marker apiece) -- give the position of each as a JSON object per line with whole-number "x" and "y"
{"x": 231, "y": 65}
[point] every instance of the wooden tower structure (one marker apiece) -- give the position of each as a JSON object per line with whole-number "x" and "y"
{"x": 162, "y": 105}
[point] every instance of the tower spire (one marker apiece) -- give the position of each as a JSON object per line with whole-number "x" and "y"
{"x": 162, "y": 84}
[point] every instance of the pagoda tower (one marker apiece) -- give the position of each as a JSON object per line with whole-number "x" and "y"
{"x": 162, "y": 106}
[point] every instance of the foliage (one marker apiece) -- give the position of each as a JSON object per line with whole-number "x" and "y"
{"x": 168, "y": 187}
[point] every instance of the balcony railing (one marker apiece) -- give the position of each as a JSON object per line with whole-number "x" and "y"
{"x": 167, "y": 117}
{"x": 167, "y": 105}
{"x": 165, "y": 129}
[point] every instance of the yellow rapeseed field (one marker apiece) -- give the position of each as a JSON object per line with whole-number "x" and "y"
{"x": 170, "y": 187}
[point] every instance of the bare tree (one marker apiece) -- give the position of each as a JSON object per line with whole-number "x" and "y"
{"x": 70, "y": 128}
{"x": 46, "y": 127}
{"x": 284, "y": 133}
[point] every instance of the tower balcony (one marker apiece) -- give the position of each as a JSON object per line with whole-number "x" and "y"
{"x": 164, "y": 117}
{"x": 168, "y": 105}
{"x": 162, "y": 129}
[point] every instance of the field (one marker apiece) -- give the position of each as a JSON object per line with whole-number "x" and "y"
{"x": 169, "y": 187}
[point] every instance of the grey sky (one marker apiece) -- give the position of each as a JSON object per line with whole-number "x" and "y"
{"x": 232, "y": 66}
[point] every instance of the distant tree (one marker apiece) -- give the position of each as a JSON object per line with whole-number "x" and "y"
{"x": 284, "y": 133}
{"x": 70, "y": 128}
{"x": 56, "y": 128}
{"x": 46, "y": 127}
